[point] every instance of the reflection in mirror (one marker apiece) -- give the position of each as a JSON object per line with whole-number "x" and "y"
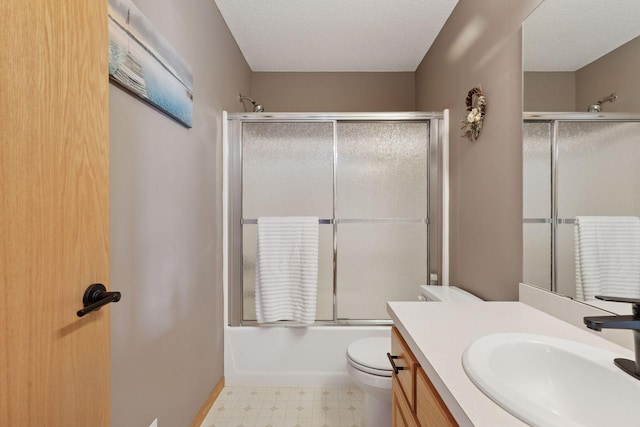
{"x": 581, "y": 198}
{"x": 578, "y": 52}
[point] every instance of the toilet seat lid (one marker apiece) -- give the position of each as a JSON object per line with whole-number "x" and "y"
{"x": 371, "y": 353}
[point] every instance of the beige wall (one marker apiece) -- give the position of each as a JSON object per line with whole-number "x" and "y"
{"x": 481, "y": 44}
{"x": 167, "y": 332}
{"x": 335, "y": 92}
{"x": 167, "y": 346}
{"x": 549, "y": 91}
{"x": 616, "y": 72}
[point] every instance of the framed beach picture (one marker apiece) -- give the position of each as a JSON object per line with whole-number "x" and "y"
{"x": 142, "y": 62}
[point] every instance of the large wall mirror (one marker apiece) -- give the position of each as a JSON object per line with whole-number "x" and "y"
{"x": 581, "y": 153}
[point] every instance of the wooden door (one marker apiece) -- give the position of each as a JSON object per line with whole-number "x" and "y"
{"x": 54, "y": 212}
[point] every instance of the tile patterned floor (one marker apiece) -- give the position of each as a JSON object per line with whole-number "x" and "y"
{"x": 252, "y": 406}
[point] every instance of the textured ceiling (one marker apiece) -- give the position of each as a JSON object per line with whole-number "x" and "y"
{"x": 335, "y": 35}
{"x": 566, "y": 35}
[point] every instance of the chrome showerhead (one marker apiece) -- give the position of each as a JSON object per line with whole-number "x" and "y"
{"x": 594, "y": 108}
{"x": 257, "y": 108}
{"x": 597, "y": 107}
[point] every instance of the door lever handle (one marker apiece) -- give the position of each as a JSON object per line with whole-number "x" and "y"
{"x": 95, "y": 297}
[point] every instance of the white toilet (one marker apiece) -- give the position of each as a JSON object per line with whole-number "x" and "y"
{"x": 368, "y": 365}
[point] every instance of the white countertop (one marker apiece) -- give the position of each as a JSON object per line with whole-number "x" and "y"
{"x": 438, "y": 333}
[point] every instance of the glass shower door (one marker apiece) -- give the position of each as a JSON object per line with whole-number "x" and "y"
{"x": 573, "y": 166}
{"x": 287, "y": 170}
{"x": 367, "y": 181}
{"x": 598, "y": 175}
{"x": 381, "y": 212}
{"x": 536, "y": 204}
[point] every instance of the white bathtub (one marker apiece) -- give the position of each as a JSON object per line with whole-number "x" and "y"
{"x": 293, "y": 356}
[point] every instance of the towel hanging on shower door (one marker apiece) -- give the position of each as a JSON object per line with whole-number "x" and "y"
{"x": 607, "y": 256}
{"x": 287, "y": 269}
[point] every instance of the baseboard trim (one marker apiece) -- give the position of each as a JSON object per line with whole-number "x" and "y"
{"x": 202, "y": 414}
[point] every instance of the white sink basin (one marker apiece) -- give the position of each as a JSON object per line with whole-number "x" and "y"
{"x": 547, "y": 381}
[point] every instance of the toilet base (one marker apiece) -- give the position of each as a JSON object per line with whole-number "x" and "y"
{"x": 376, "y": 412}
{"x": 367, "y": 365}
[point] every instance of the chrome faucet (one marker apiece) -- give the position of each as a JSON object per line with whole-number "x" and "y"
{"x": 632, "y": 322}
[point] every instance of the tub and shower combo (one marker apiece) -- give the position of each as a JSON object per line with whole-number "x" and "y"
{"x": 374, "y": 180}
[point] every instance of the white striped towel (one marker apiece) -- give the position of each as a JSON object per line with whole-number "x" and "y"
{"x": 607, "y": 255}
{"x": 287, "y": 269}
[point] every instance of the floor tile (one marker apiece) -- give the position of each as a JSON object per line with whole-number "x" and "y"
{"x": 256, "y": 406}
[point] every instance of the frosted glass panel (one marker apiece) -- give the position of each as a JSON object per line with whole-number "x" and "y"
{"x": 379, "y": 263}
{"x": 324, "y": 303}
{"x": 382, "y": 170}
{"x": 599, "y": 171}
{"x": 287, "y": 169}
{"x": 536, "y": 170}
{"x": 536, "y": 256}
{"x": 566, "y": 281}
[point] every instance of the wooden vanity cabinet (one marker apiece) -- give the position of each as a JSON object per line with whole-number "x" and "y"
{"x": 402, "y": 415}
{"x": 430, "y": 409}
{"x": 416, "y": 402}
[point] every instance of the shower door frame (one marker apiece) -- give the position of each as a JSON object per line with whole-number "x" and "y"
{"x": 553, "y": 119}
{"x": 233, "y": 200}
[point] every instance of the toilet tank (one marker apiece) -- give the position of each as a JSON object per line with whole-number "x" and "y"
{"x": 446, "y": 293}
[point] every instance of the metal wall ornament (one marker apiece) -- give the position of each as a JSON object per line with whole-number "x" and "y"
{"x": 476, "y": 103}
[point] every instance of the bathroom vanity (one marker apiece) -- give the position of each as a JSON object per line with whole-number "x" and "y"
{"x": 428, "y": 342}
{"x": 415, "y": 400}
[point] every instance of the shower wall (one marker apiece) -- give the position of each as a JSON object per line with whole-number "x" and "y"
{"x": 368, "y": 182}
{"x": 570, "y": 168}
{"x": 349, "y": 91}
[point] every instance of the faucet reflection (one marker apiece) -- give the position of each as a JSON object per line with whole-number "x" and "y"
{"x": 632, "y": 322}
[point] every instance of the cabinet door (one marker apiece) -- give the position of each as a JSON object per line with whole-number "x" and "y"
{"x": 430, "y": 409}
{"x": 401, "y": 413}
{"x": 406, "y": 361}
